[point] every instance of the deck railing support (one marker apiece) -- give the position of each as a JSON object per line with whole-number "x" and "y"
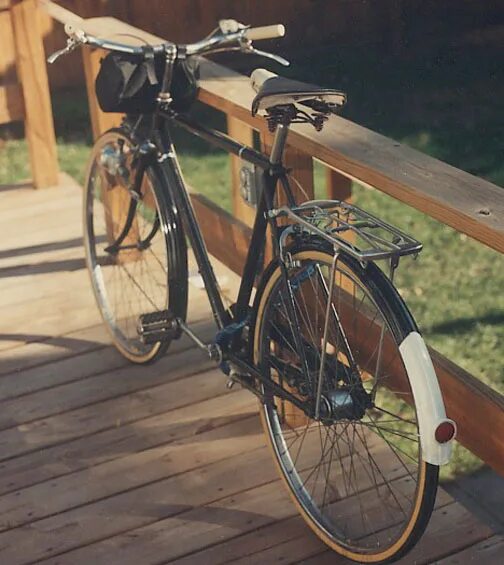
{"x": 32, "y": 76}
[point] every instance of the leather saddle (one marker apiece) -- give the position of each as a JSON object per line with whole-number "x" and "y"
{"x": 273, "y": 90}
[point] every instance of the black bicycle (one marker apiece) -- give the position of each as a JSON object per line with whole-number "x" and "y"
{"x": 349, "y": 399}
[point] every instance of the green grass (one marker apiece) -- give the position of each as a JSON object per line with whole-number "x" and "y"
{"x": 446, "y": 103}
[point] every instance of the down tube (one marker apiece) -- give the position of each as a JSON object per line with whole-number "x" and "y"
{"x": 173, "y": 174}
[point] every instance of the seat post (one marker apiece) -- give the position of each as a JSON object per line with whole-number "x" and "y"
{"x": 279, "y": 144}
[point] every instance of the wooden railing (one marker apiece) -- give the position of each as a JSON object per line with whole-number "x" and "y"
{"x": 24, "y": 88}
{"x": 466, "y": 203}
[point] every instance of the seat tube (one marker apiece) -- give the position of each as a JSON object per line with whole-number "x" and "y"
{"x": 278, "y": 147}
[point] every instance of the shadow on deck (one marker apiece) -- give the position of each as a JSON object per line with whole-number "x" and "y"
{"x": 104, "y": 462}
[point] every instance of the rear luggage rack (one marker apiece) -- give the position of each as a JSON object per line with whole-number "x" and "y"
{"x": 349, "y": 228}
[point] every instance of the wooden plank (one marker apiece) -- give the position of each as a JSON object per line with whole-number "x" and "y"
{"x": 104, "y": 27}
{"x": 54, "y": 319}
{"x": 32, "y": 73}
{"x": 465, "y": 202}
{"x": 301, "y": 165}
{"x": 38, "y": 353}
{"x": 130, "y": 470}
{"x": 152, "y": 431}
{"x": 486, "y": 552}
{"x": 226, "y": 238}
{"x": 59, "y": 13}
{"x": 338, "y": 186}
{"x": 477, "y": 409}
{"x": 200, "y": 529}
{"x": 242, "y": 133}
{"x": 250, "y": 544}
{"x": 450, "y": 528}
{"x": 11, "y": 104}
{"x": 116, "y": 204}
{"x": 7, "y": 51}
{"x": 100, "y": 121}
{"x": 95, "y": 359}
{"x": 172, "y": 538}
{"x": 108, "y": 413}
{"x": 212, "y": 477}
{"x": 97, "y": 376}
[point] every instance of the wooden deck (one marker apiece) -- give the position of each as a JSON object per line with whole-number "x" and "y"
{"x": 104, "y": 462}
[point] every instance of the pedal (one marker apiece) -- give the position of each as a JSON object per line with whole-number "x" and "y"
{"x": 158, "y": 326}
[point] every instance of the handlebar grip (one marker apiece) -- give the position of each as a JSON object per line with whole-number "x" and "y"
{"x": 265, "y": 32}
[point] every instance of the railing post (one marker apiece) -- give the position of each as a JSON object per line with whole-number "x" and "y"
{"x": 116, "y": 198}
{"x": 338, "y": 187}
{"x": 7, "y": 52}
{"x": 100, "y": 121}
{"x": 242, "y": 133}
{"x": 32, "y": 74}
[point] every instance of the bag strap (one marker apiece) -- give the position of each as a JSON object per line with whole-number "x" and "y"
{"x": 150, "y": 64}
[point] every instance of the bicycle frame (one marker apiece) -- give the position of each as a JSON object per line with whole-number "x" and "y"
{"x": 273, "y": 172}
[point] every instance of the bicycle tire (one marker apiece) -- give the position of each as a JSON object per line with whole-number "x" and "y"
{"x": 354, "y": 520}
{"x": 133, "y": 281}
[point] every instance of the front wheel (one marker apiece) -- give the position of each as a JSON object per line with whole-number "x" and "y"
{"x": 356, "y": 471}
{"x": 135, "y": 247}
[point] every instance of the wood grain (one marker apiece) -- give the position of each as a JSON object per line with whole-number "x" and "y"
{"x": 226, "y": 238}
{"x": 338, "y": 186}
{"x": 100, "y": 121}
{"x": 7, "y": 50}
{"x": 31, "y": 67}
{"x": 467, "y": 203}
{"x": 242, "y": 133}
{"x": 11, "y": 103}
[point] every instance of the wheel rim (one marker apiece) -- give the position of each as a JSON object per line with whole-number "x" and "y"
{"x": 359, "y": 482}
{"x": 133, "y": 281}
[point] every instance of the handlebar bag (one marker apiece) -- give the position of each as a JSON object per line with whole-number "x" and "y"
{"x": 131, "y": 83}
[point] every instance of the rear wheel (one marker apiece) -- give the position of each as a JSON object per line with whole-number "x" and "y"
{"x": 356, "y": 472}
{"x": 147, "y": 272}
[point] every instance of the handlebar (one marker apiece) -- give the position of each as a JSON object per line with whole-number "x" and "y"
{"x": 229, "y": 36}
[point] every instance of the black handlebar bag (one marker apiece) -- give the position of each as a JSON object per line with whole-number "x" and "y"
{"x": 130, "y": 84}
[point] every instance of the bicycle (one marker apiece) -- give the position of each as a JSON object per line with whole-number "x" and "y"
{"x": 349, "y": 399}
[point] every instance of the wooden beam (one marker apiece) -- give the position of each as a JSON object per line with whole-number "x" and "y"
{"x": 467, "y": 203}
{"x": 100, "y": 121}
{"x": 32, "y": 73}
{"x": 59, "y": 13}
{"x": 338, "y": 186}
{"x": 242, "y": 133}
{"x": 301, "y": 165}
{"x": 226, "y": 238}
{"x": 477, "y": 409}
{"x": 11, "y": 103}
{"x": 7, "y": 50}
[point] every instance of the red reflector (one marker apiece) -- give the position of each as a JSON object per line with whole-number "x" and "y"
{"x": 445, "y": 431}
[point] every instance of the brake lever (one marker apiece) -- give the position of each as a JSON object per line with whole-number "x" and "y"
{"x": 71, "y": 45}
{"x": 272, "y": 56}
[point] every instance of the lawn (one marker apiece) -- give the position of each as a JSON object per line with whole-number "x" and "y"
{"x": 445, "y": 103}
